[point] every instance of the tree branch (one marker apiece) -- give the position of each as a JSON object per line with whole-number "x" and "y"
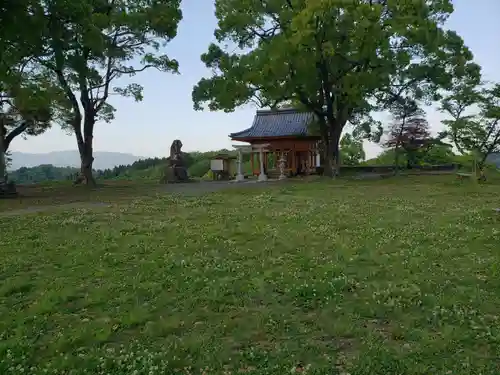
{"x": 107, "y": 80}
{"x": 133, "y": 70}
{"x": 14, "y": 133}
{"x": 58, "y": 69}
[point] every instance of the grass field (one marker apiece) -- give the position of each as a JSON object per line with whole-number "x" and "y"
{"x": 396, "y": 277}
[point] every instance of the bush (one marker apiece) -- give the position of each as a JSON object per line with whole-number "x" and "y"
{"x": 200, "y": 168}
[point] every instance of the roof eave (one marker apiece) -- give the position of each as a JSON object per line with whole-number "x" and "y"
{"x": 240, "y": 133}
{"x": 277, "y": 137}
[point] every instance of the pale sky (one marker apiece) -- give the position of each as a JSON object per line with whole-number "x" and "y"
{"x": 148, "y": 128}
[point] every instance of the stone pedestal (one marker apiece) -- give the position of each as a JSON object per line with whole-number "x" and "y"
{"x": 7, "y": 189}
{"x": 240, "y": 177}
{"x": 174, "y": 174}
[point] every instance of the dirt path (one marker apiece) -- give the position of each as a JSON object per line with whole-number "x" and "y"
{"x": 189, "y": 189}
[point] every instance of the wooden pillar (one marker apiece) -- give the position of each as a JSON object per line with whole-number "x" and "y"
{"x": 257, "y": 160}
{"x": 252, "y": 157}
{"x": 262, "y": 171}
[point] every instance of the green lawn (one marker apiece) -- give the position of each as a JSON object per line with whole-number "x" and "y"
{"x": 395, "y": 277}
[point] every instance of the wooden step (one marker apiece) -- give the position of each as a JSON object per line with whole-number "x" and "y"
{"x": 273, "y": 173}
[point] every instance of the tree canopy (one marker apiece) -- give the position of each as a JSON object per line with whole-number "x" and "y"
{"x": 29, "y": 99}
{"x": 351, "y": 150}
{"x": 341, "y": 60}
{"x": 474, "y": 119}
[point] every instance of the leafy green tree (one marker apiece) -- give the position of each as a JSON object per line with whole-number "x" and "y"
{"x": 339, "y": 59}
{"x": 29, "y": 103}
{"x": 28, "y": 106}
{"x": 21, "y": 113}
{"x": 29, "y": 100}
{"x": 439, "y": 154}
{"x": 92, "y": 43}
{"x": 474, "y": 119}
{"x": 351, "y": 150}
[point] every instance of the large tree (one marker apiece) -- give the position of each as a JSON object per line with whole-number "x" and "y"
{"x": 340, "y": 59}
{"x": 474, "y": 119}
{"x": 92, "y": 43}
{"x": 29, "y": 100}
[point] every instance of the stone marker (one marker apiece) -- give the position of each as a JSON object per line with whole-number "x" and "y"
{"x": 176, "y": 170}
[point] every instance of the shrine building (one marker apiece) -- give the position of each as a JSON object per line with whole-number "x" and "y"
{"x": 281, "y": 134}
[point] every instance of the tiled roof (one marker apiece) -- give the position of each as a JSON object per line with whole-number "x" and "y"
{"x": 277, "y": 123}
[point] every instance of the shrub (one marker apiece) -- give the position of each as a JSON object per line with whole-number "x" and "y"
{"x": 200, "y": 168}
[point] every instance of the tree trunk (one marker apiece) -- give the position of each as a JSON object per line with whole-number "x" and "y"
{"x": 398, "y": 145}
{"x": 87, "y": 160}
{"x": 329, "y": 169}
{"x": 396, "y": 160}
{"x": 481, "y": 166}
{"x": 3, "y": 152}
{"x": 325, "y": 149}
{"x": 86, "y": 151}
{"x": 482, "y": 162}
{"x": 3, "y": 161}
{"x": 336, "y": 150}
{"x": 333, "y": 150}
{"x": 7, "y": 189}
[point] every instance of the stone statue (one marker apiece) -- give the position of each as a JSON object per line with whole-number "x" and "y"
{"x": 176, "y": 169}
{"x": 175, "y": 148}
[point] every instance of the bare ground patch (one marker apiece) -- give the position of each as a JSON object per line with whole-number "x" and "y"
{"x": 63, "y": 207}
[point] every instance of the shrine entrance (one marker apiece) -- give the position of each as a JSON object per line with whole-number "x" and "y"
{"x": 298, "y": 158}
{"x": 304, "y": 162}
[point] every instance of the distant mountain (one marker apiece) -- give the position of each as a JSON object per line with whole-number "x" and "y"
{"x": 103, "y": 159}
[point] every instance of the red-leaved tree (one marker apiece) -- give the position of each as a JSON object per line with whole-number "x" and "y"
{"x": 409, "y": 132}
